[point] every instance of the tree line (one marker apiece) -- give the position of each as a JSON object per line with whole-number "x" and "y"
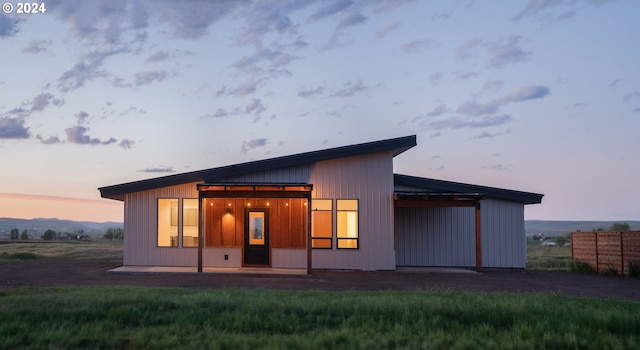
{"x": 49, "y": 235}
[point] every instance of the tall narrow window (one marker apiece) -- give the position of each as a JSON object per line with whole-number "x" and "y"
{"x": 167, "y": 222}
{"x": 322, "y": 225}
{"x": 347, "y": 223}
{"x": 190, "y": 222}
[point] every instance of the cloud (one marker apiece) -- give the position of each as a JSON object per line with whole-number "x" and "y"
{"x": 275, "y": 59}
{"x": 13, "y": 128}
{"x": 382, "y": 32}
{"x": 41, "y": 101}
{"x": 503, "y": 52}
{"x": 158, "y": 57}
{"x": 498, "y": 166}
{"x": 631, "y": 96}
{"x": 437, "y": 111}
{"x": 468, "y": 49}
{"x": 87, "y": 69}
{"x": 465, "y": 75}
{"x": 36, "y": 46}
{"x": 248, "y": 87}
{"x": 149, "y": 77}
{"x": 8, "y": 25}
{"x": 50, "y": 141}
{"x": 493, "y": 84}
{"x": 553, "y": 10}
{"x": 311, "y": 92}
{"x": 330, "y": 9}
{"x": 458, "y": 123}
{"x": 486, "y": 135}
{"x": 351, "y": 20}
{"x": 418, "y": 45}
{"x": 349, "y": 89}
{"x": 126, "y": 143}
{"x": 435, "y": 78}
{"x": 255, "y": 107}
{"x": 252, "y": 144}
{"x": 526, "y": 93}
{"x": 77, "y": 134}
{"x": 158, "y": 170}
{"x": 82, "y": 117}
{"x": 473, "y": 108}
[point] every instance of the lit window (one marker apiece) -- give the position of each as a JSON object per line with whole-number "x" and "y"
{"x": 167, "y": 222}
{"x": 347, "y": 223}
{"x": 190, "y": 222}
{"x": 322, "y": 225}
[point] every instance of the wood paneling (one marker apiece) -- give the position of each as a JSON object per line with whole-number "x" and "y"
{"x": 287, "y": 221}
{"x": 606, "y": 250}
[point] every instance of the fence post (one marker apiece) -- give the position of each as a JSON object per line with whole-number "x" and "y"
{"x": 597, "y": 258}
{"x": 621, "y": 254}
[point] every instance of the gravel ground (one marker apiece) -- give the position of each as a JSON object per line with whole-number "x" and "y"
{"x": 93, "y": 272}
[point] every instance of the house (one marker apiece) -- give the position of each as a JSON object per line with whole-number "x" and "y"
{"x": 337, "y": 208}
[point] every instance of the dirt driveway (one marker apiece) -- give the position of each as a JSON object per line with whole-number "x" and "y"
{"x": 93, "y": 272}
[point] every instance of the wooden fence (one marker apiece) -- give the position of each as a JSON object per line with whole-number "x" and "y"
{"x": 606, "y": 250}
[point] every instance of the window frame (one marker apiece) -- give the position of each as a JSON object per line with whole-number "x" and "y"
{"x": 331, "y": 224}
{"x": 170, "y": 221}
{"x": 183, "y": 223}
{"x": 357, "y": 230}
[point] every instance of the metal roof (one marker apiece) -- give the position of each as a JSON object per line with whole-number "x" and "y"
{"x": 423, "y": 185}
{"x": 397, "y": 145}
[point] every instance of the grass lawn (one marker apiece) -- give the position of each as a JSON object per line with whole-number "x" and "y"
{"x": 69, "y": 249}
{"x": 541, "y": 257}
{"x": 137, "y": 317}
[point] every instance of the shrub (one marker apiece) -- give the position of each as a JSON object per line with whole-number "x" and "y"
{"x": 633, "y": 269}
{"x": 18, "y": 256}
{"x": 578, "y": 266}
{"x": 610, "y": 271}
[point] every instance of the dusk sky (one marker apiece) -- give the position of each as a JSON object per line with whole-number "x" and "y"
{"x": 538, "y": 96}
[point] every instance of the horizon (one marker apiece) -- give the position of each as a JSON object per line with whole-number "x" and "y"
{"x": 506, "y": 94}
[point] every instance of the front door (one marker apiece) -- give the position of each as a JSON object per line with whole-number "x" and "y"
{"x": 256, "y": 237}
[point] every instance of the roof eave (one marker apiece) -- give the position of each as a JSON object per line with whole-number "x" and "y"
{"x": 449, "y": 186}
{"x": 397, "y": 145}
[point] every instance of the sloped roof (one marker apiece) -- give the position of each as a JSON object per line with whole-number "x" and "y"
{"x": 421, "y": 184}
{"x": 397, "y": 145}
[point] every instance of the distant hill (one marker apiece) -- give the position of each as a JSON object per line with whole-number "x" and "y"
{"x": 554, "y": 228}
{"x": 36, "y": 227}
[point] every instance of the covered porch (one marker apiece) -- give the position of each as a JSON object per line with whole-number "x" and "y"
{"x": 444, "y": 200}
{"x": 257, "y": 226}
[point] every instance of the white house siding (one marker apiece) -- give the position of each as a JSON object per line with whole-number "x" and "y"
{"x": 141, "y": 222}
{"x": 503, "y": 234}
{"x": 446, "y": 236}
{"x": 368, "y": 178}
{"x": 288, "y": 258}
{"x": 435, "y": 237}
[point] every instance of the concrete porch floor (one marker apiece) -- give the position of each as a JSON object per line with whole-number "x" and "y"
{"x": 264, "y": 270}
{"x": 217, "y": 270}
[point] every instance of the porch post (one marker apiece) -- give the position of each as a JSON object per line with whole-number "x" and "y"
{"x": 478, "y": 238}
{"x": 200, "y": 231}
{"x": 309, "y": 236}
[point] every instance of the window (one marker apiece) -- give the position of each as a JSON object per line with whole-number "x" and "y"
{"x": 167, "y": 222}
{"x": 347, "y": 223}
{"x": 322, "y": 223}
{"x": 190, "y": 222}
